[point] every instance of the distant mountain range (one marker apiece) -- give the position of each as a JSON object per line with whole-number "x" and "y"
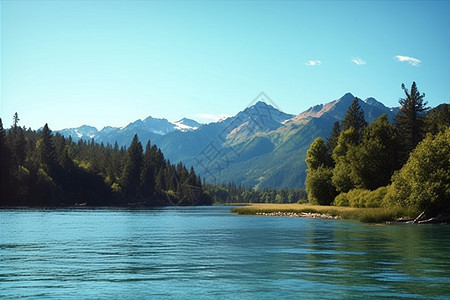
{"x": 259, "y": 147}
{"x": 148, "y": 129}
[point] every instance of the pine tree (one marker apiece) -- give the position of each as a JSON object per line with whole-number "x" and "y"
{"x": 410, "y": 121}
{"x": 5, "y": 167}
{"x": 46, "y": 149}
{"x": 354, "y": 117}
{"x": 438, "y": 119}
{"x": 132, "y": 171}
{"x": 148, "y": 173}
{"x": 332, "y": 140}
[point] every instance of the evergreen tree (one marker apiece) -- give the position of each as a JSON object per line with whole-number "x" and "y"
{"x": 148, "y": 173}
{"x": 332, "y": 140}
{"x": 132, "y": 171}
{"x": 46, "y": 149}
{"x": 5, "y": 168}
{"x": 354, "y": 117}
{"x": 410, "y": 119}
{"x": 438, "y": 119}
{"x": 17, "y": 142}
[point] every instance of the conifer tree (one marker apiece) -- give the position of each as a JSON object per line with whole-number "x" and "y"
{"x": 148, "y": 173}
{"x": 332, "y": 140}
{"x": 132, "y": 171}
{"x": 46, "y": 149}
{"x": 438, "y": 119}
{"x": 5, "y": 167}
{"x": 410, "y": 119}
{"x": 354, "y": 117}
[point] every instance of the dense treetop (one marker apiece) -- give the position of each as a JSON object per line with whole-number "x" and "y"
{"x": 403, "y": 164}
{"x": 42, "y": 169}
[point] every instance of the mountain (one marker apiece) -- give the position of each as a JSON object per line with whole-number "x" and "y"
{"x": 259, "y": 147}
{"x": 83, "y": 132}
{"x": 147, "y": 129}
{"x": 281, "y": 153}
{"x": 186, "y": 125}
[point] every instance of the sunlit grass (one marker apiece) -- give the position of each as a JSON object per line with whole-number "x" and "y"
{"x": 366, "y": 215}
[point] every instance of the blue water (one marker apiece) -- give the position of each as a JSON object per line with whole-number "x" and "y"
{"x": 207, "y": 252}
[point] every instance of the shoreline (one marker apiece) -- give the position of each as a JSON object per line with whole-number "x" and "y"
{"x": 364, "y": 215}
{"x": 309, "y": 215}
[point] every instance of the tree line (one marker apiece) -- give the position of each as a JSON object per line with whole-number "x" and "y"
{"x": 38, "y": 168}
{"x": 231, "y": 193}
{"x": 405, "y": 164}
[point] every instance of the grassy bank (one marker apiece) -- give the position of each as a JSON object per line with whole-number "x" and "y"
{"x": 366, "y": 215}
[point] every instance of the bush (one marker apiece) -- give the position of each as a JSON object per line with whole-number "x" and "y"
{"x": 424, "y": 181}
{"x": 362, "y": 198}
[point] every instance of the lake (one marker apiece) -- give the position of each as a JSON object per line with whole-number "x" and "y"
{"x": 209, "y": 253}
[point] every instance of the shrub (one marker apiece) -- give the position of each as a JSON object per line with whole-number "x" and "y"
{"x": 361, "y": 198}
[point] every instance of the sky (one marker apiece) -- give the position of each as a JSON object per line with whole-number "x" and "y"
{"x": 109, "y": 63}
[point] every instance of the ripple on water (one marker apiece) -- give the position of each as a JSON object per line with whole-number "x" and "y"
{"x": 210, "y": 253}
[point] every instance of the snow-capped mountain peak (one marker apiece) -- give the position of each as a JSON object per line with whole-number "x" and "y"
{"x": 186, "y": 125}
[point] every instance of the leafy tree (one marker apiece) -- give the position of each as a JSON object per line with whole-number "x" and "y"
{"x": 341, "y": 178}
{"x": 424, "y": 181}
{"x": 318, "y": 175}
{"x": 354, "y": 117}
{"x": 373, "y": 161}
{"x": 318, "y": 155}
{"x": 410, "y": 119}
{"x": 319, "y": 186}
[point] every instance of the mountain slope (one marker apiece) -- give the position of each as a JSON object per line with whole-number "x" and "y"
{"x": 147, "y": 129}
{"x": 259, "y": 147}
{"x": 276, "y": 158}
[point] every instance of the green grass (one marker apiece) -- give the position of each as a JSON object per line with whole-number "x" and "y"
{"x": 366, "y": 215}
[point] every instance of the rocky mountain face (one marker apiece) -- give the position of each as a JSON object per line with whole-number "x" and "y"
{"x": 259, "y": 147}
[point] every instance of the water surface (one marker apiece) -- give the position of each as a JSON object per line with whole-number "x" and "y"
{"x": 207, "y": 252}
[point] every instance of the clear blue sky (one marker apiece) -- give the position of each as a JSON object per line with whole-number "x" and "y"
{"x": 70, "y": 63}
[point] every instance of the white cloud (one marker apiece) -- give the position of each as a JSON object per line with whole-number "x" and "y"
{"x": 208, "y": 118}
{"x": 358, "y": 61}
{"x": 410, "y": 60}
{"x": 313, "y": 63}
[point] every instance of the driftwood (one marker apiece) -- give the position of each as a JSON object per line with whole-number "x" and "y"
{"x": 419, "y": 217}
{"x": 438, "y": 219}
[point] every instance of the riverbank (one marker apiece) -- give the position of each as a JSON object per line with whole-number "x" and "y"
{"x": 366, "y": 215}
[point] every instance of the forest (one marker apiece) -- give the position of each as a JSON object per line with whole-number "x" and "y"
{"x": 405, "y": 164}
{"x": 231, "y": 193}
{"x": 382, "y": 164}
{"x": 39, "y": 168}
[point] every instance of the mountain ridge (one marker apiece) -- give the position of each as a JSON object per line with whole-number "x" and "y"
{"x": 259, "y": 147}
